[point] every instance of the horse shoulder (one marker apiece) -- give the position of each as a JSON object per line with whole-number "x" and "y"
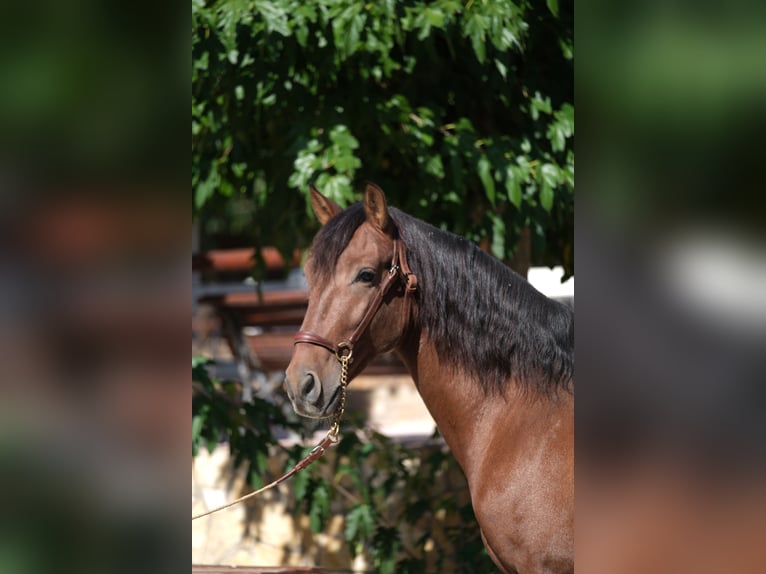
{"x": 524, "y": 488}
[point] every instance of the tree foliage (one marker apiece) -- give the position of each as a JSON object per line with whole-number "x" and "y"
{"x": 394, "y": 512}
{"x": 461, "y": 111}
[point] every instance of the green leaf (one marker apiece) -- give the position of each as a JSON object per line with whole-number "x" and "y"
{"x": 550, "y": 174}
{"x": 546, "y": 196}
{"x": 320, "y": 506}
{"x": 566, "y": 115}
{"x": 337, "y": 187}
{"x": 513, "y": 186}
{"x": 526, "y": 146}
{"x": 557, "y": 137}
{"x": 211, "y": 443}
{"x": 202, "y": 62}
{"x": 347, "y": 26}
{"x": 255, "y": 477}
{"x": 566, "y": 49}
{"x": 353, "y": 33}
{"x": 207, "y": 188}
{"x": 300, "y": 484}
{"x": 274, "y": 15}
{"x": 538, "y": 104}
{"x": 553, "y": 6}
{"x": 435, "y": 167}
{"x": 359, "y": 525}
{"x": 561, "y": 128}
{"x": 197, "y": 422}
{"x": 475, "y": 27}
{"x": 501, "y": 67}
{"x": 485, "y": 174}
{"x": 549, "y": 179}
{"x": 342, "y": 137}
{"x": 435, "y": 17}
{"x": 498, "y": 236}
{"x": 302, "y": 35}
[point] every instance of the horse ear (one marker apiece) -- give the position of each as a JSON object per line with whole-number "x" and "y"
{"x": 324, "y": 207}
{"x": 375, "y": 207}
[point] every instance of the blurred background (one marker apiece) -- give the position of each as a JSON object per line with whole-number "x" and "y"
{"x": 671, "y": 327}
{"x": 94, "y": 284}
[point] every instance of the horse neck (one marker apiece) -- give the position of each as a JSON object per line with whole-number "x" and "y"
{"x": 464, "y": 414}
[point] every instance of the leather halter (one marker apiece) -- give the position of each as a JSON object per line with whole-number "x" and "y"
{"x": 400, "y": 270}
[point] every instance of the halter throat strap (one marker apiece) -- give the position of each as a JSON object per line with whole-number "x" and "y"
{"x": 399, "y": 271}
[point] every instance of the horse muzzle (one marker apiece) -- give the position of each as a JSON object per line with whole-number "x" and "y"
{"x": 310, "y": 398}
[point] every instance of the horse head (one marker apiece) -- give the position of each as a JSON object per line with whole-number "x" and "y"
{"x": 357, "y": 305}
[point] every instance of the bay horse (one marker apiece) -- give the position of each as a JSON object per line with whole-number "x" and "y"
{"x": 492, "y": 358}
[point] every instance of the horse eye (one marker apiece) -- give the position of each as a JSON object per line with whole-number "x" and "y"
{"x": 366, "y": 276}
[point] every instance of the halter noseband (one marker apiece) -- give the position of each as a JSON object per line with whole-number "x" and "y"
{"x": 400, "y": 270}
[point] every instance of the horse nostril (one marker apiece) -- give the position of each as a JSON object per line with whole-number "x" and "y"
{"x": 307, "y": 384}
{"x": 309, "y": 388}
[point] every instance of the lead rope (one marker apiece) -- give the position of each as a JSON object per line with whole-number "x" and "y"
{"x": 331, "y": 438}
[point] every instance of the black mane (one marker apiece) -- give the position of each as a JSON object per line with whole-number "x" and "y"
{"x": 482, "y": 317}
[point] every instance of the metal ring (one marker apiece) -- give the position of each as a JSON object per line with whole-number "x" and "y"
{"x": 341, "y": 348}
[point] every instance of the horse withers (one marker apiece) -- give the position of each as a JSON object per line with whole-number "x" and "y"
{"x": 491, "y": 356}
